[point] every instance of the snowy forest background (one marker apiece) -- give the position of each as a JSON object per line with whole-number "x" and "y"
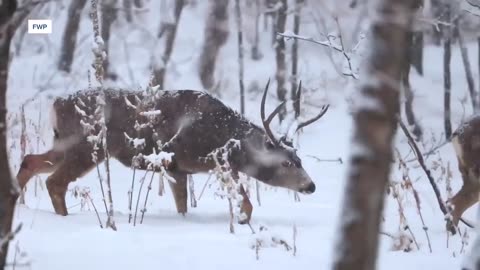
{"x": 193, "y": 44}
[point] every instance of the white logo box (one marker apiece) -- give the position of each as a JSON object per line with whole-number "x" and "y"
{"x": 39, "y": 26}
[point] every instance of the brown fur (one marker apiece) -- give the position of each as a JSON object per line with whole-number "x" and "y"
{"x": 466, "y": 142}
{"x": 191, "y": 125}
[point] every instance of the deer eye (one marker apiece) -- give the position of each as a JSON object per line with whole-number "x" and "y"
{"x": 269, "y": 145}
{"x": 287, "y": 163}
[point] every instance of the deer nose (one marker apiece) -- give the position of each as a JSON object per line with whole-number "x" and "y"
{"x": 309, "y": 189}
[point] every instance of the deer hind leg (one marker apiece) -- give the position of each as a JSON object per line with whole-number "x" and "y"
{"x": 36, "y": 164}
{"x": 77, "y": 162}
{"x": 467, "y": 196}
{"x": 179, "y": 190}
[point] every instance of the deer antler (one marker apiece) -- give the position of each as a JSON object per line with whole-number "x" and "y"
{"x": 297, "y": 103}
{"x": 266, "y": 123}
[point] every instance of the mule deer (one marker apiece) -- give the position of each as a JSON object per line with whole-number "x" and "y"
{"x": 190, "y": 124}
{"x": 466, "y": 142}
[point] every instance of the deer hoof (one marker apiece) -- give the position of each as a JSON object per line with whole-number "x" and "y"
{"x": 245, "y": 219}
{"x": 58, "y": 200}
{"x": 243, "y": 222}
{"x": 60, "y": 208}
{"x": 450, "y": 227}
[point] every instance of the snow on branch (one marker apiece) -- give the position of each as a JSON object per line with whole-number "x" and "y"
{"x": 230, "y": 183}
{"x": 160, "y": 159}
{"x": 329, "y": 44}
{"x": 266, "y": 239}
{"x": 290, "y": 35}
{"x": 137, "y": 143}
{"x": 151, "y": 113}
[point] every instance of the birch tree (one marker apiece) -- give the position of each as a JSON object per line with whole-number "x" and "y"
{"x": 375, "y": 124}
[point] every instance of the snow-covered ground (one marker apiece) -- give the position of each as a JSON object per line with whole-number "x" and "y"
{"x": 201, "y": 239}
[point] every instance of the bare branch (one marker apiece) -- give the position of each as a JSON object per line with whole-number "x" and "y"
{"x": 430, "y": 178}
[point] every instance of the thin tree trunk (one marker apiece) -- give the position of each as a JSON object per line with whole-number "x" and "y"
{"x": 8, "y": 188}
{"x": 409, "y": 96}
{"x": 127, "y": 6}
{"x": 294, "y": 79}
{"x": 170, "y": 29}
{"x": 447, "y": 84}
{"x": 417, "y": 51}
{"x": 109, "y": 14}
{"x": 416, "y": 46}
{"x": 467, "y": 67}
{"x": 374, "y": 131}
{"x": 70, "y": 35}
{"x": 238, "y": 16}
{"x": 138, "y": 3}
{"x": 478, "y": 43}
{"x": 216, "y": 34}
{"x": 280, "y": 57}
{"x": 256, "y": 54}
{"x": 439, "y": 10}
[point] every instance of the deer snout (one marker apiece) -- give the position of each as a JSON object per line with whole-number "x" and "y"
{"x": 308, "y": 189}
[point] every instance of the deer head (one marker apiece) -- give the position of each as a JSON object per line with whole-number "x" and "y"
{"x": 274, "y": 160}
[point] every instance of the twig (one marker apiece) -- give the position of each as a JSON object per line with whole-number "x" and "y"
{"x": 387, "y": 234}
{"x": 310, "y": 39}
{"x": 142, "y": 181}
{"x": 464, "y": 241}
{"x": 161, "y": 185}
{"x": 403, "y": 218}
{"x": 339, "y": 160}
{"x": 347, "y": 57}
{"x": 10, "y": 235}
{"x": 146, "y": 197}
{"x": 230, "y": 208}
{"x": 424, "y": 227}
{"x": 15, "y": 256}
{"x": 100, "y": 178}
{"x": 294, "y": 240}
{"x": 204, "y": 186}
{"x": 296, "y": 197}
{"x": 409, "y": 184}
{"x": 191, "y": 187}
{"x": 98, "y": 52}
{"x": 130, "y": 195}
{"x": 257, "y": 190}
{"x": 95, "y": 208}
{"x": 328, "y": 43}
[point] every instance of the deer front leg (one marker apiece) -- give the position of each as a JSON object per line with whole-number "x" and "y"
{"x": 36, "y": 164}
{"x": 467, "y": 196}
{"x": 464, "y": 199}
{"x": 179, "y": 190}
{"x": 246, "y": 208}
{"x": 77, "y": 162}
